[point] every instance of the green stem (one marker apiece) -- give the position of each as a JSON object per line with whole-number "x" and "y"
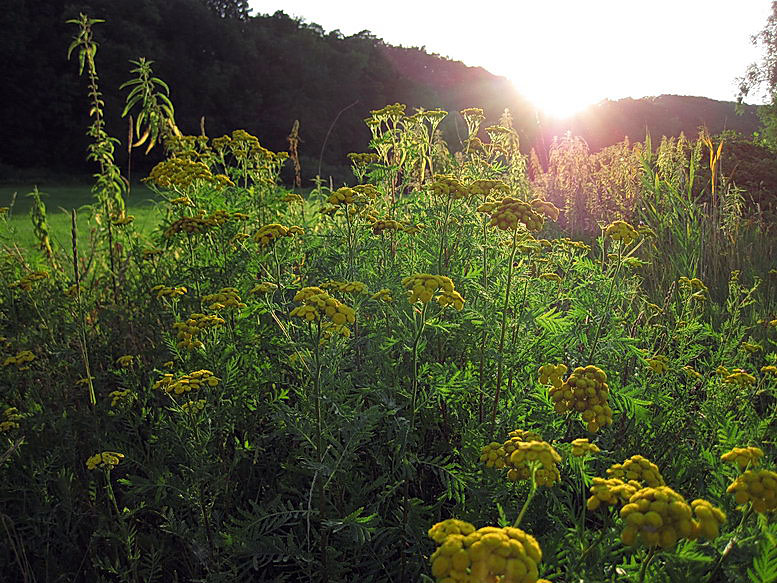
{"x": 606, "y": 305}
{"x": 500, "y": 354}
{"x": 319, "y": 447}
{"x": 529, "y": 498}
{"x": 646, "y": 563}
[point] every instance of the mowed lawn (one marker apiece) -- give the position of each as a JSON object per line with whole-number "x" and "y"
{"x": 60, "y": 200}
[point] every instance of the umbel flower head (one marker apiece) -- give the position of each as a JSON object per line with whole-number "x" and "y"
{"x": 621, "y": 231}
{"x": 744, "y": 457}
{"x": 445, "y": 186}
{"x": 270, "y": 233}
{"x": 546, "y": 208}
{"x": 639, "y": 469}
{"x": 423, "y": 286}
{"x": 486, "y": 554}
{"x": 26, "y": 282}
{"x": 383, "y": 295}
{"x": 21, "y": 360}
{"x": 586, "y": 392}
{"x": 104, "y": 460}
{"x": 226, "y": 297}
{"x": 552, "y": 374}
{"x": 659, "y": 364}
{"x": 163, "y": 291}
{"x": 582, "y": 447}
{"x": 11, "y": 418}
{"x": 521, "y": 450}
{"x": 319, "y": 306}
{"x": 188, "y": 332}
{"x": 611, "y": 491}
{"x": 264, "y": 288}
{"x": 190, "y": 382}
{"x": 510, "y": 212}
{"x": 758, "y": 487}
{"x": 660, "y": 516}
{"x": 486, "y": 188}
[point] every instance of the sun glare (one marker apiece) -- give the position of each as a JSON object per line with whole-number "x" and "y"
{"x": 557, "y": 92}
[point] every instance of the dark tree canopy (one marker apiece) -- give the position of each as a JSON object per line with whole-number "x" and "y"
{"x": 261, "y": 73}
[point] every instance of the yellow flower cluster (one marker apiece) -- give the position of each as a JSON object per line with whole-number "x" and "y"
{"x": 493, "y": 455}
{"x": 758, "y": 487}
{"x": 638, "y": 469}
{"x": 659, "y": 364}
{"x": 21, "y": 359}
{"x": 188, "y": 331}
{"x": 227, "y": 297}
{"x": 106, "y": 459}
{"x": 611, "y": 491}
{"x": 25, "y": 283}
{"x": 189, "y": 382}
{"x": 380, "y": 225}
{"x": 546, "y": 208}
{"x": 317, "y": 304}
{"x": 11, "y": 418}
{"x": 163, "y": 291}
{"x": 120, "y": 396}
{"x": 125, "y": 361}
{"x": 473, "y": 113}
{"x": 692, "y": 284}
{"x": 708, "y": 519}
{"x": 270, "y": 233}
{"x": 121, "y": 220}
{"x": 690, "y": 371}
{"x": 345, "y": 287}
{"x": 582, "y": 447}
{"x": 193, "y": 407}
{"x": 570, "y": 245}
{"x": 521, "y": 449}
{"x": 621, "y": 231}
{"x": 586, "y": 392}
{"x": 191, "y": 225}
{"x": 769, "y": 369}
{"x": 744, "y": 457}
{"x": 508, "y": 554}
{"x": 510, "y": 212}
{"x": 182, "y": 200}
{"x": 264, "y": 288}
{"x": 552, "y": 374}
{"x": 344, "y": 195}
{"x": 220, "y": 217}
{"x": 526, "y": 452}
{"x": 448, "y": 186}
{"x": 423, "y": 286}
{"x": 383, "y": 295}
{"x": 660, "y": 516}
{"x": 751, "y": 347}
{"x": 183, "y": 173}
{"x": 486, "y": 188}
{"x": 739, "y": 377}
{"x": 293, "y": 198}
{"x": 362, "y": 159}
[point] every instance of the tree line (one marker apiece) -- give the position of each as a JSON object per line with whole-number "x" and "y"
{"x": 229, "y": 69}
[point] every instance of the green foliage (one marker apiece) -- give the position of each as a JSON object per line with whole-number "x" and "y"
{"x": 265, "y": 386}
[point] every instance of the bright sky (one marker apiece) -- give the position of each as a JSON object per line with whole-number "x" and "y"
{"x": 566, "y": 54}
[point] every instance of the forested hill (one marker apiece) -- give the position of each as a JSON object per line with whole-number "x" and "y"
{"x": 609, "y": 122}
{"x": 262, "y": 73}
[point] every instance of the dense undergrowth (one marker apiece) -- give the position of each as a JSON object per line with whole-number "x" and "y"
{"x": 271, "y": 387}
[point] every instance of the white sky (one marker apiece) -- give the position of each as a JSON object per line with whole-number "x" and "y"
{"x": 565, "y": 54}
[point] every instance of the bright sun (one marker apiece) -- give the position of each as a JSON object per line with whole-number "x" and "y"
{"x": 557, "y": 94}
